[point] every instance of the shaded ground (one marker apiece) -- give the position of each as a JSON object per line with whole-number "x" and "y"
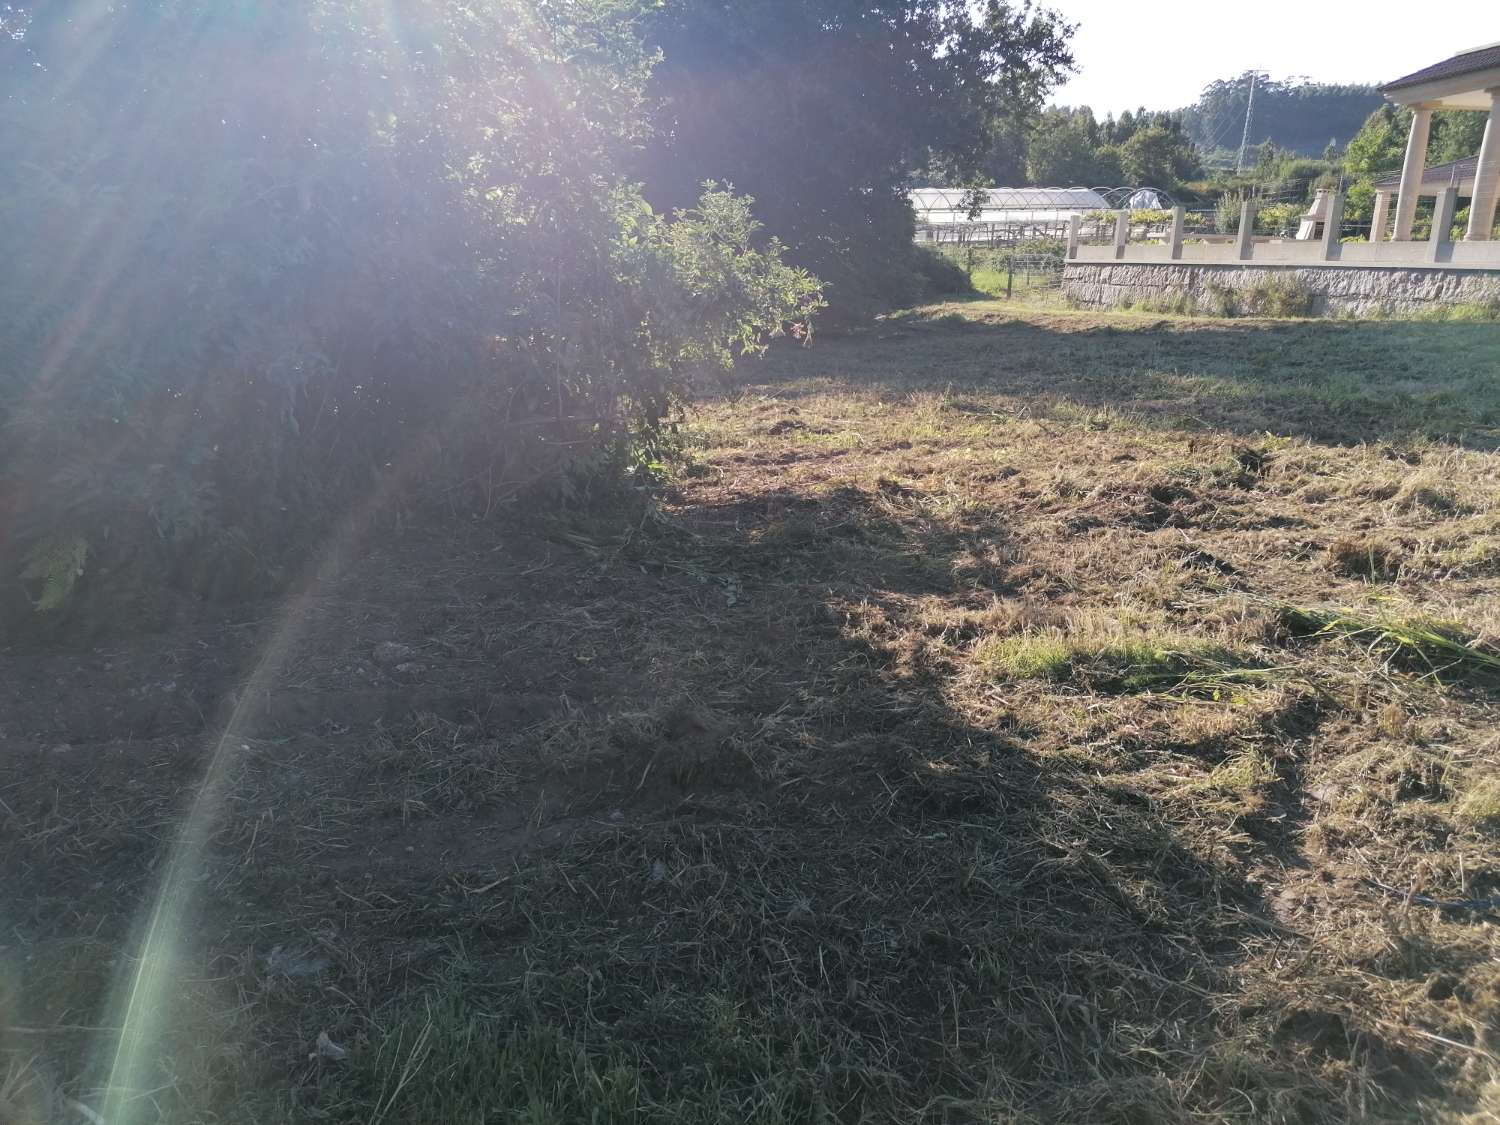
{"x": 946, "y": 746}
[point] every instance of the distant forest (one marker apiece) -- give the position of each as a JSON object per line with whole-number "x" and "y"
{"x": 1295, "y": 115}
{"x": 1293, "y": 119}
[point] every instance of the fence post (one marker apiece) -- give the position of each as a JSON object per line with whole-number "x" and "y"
{"x": 1245, "y": 244}
{"x": 1010, "y": 273}
{"x": 1442, "y": 224}
{"x": 1122, "y": 232}
{"x": 1179, "y": 218}
{"x": 1074, "y": 222}
{"x": 1333, "y": 227}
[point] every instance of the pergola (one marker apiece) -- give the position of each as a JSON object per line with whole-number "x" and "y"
{"x": 1470, "y": 80}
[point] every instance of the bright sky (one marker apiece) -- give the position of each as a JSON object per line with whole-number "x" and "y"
{"x": 1161, "y": 56}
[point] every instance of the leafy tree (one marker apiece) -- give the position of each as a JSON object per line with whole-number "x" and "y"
{"x": 1380, "y": 144}
{"x": 1457, "y": 133}
{"x": 1109, "y": 169}
{"x": 822, "y": 110}
{"x": 1154, "y": 157}
{"x": 264, "y": 260}
{"x": 1065, "y": 149}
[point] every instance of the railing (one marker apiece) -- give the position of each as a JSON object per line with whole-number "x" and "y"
{"x": 1177, "y": 244}
{"x": 994, "y": 233}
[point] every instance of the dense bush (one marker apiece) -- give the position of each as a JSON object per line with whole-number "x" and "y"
{"x": 265, "y": 263}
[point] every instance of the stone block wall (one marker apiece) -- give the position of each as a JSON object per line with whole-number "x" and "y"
{"x": 1334, "y": 290}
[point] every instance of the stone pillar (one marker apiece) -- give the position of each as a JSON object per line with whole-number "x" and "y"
{"x": 1179, "y": 217}
{"x": 1074, "y": 222}
{"x": 1486, "y": 177}
{"x": 1333, "y": 225}
{"x": 1442, "y": 225}
{"x": 1378, "y": 220}
{"x": 1122, "y": 231}
{"x": 1411, "y": 171}
{"x": 1244, "y": 244}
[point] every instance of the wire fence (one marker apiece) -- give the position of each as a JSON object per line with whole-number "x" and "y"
{"x": 1031, "y": 272}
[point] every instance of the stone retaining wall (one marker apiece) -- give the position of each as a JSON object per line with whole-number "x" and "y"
{"x": 1347, "y": 290}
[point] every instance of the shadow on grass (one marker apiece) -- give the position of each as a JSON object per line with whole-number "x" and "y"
{"x": 1341, "y": 382}
{"x": 799, "y": 881}
{"x": 900, "y": 914}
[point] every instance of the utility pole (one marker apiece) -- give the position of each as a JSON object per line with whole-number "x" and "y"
{"x": 1239, "y": 163}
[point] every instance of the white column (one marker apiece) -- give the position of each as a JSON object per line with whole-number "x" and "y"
{"x": 1074, "y": 221}
{"x": 1486, "y": 178}
{"x": 1411, "y": 171}
{"x": 1440, "y": 245}
{"x": 1179, "y": 218}
{"x": 1122, "y": 231}
{"x": 1377, "y": 221}
{"x": 1244, "y": 243}
{"x": 1333, "y": 223}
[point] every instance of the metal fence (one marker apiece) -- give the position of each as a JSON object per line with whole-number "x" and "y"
{"x": 1033, "y": 271}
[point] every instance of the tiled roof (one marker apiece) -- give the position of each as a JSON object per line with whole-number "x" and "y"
{"x": 1481, "y": 58}
{"x": 1438, "y": 176}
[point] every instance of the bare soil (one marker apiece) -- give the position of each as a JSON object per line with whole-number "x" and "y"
{"x": 946, "y": 742}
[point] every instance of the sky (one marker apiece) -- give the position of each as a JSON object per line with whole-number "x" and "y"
{"x": 1162, "y": 55}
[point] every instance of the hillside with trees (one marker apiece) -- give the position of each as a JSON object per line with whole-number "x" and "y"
{"x": 1292, "y": 120}
{"x": 1302, "y": 117}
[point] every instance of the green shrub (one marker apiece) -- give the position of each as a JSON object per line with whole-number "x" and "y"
{"x": 1281, "y": 296}
{"x": 1279, "y": 218}
{"x": 942, "y": 272}
{"x": 1278, "y": 297}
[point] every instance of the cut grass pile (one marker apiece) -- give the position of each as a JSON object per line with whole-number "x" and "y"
{"x": 1443, "y": 649}
{"x": 1002, "y": 716}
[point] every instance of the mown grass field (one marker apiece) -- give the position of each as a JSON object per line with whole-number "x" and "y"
{"x": 1006, "y": 714}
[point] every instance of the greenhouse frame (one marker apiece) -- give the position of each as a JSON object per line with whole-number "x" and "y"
{"x": 1005, "y": 215}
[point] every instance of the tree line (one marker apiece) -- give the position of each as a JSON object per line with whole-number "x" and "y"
{"x": 1071, "y": 146}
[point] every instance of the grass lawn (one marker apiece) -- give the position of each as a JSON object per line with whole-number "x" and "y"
{"x": 1007, "y": 714}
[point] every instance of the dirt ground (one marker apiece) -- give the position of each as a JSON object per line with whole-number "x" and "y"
{"x": 1004, "y": 714}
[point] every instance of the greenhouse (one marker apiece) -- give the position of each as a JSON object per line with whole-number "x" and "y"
{"x": 1003, "y": 214}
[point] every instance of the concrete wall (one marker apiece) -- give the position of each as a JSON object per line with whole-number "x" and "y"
{"x": 1340, "y": 289}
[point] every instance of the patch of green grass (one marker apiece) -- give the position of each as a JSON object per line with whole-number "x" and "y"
{"x": 1468, "y": 313}
{"x": 1123, "y": 664}
{"x": 1028, "y": 657}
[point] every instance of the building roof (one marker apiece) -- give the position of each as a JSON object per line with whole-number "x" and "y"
{"x": 1437, "y": 177}
{"x": 1469, "y": 62}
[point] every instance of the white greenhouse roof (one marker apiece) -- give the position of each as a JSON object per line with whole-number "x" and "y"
{"x": 930, "y": 203}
